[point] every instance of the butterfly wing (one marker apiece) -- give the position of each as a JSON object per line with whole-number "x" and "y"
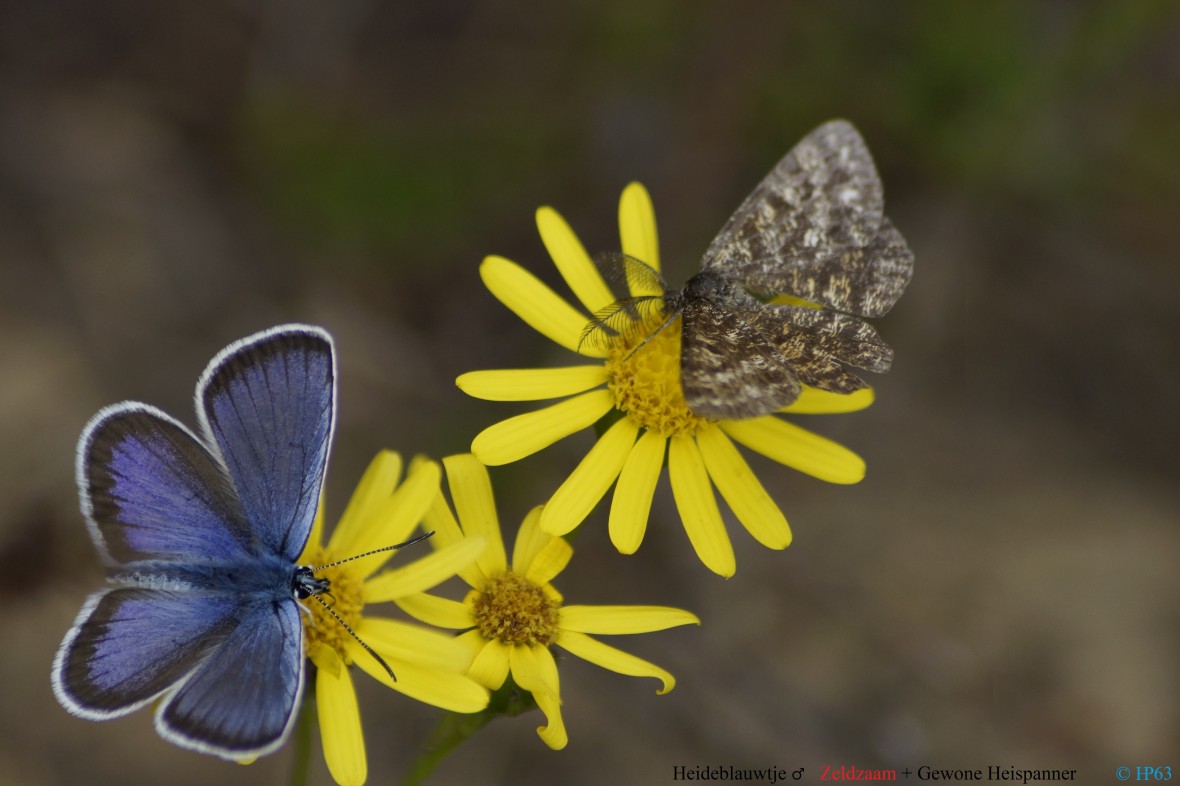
{"x": 164, "y": 512}
{"x": 730, "y": 368}
{"x": 131, "y": 644}
{"x": 151, "y": 491}
{"x": 241, "y": 702}
{"x": 815, "y": 228}
{"x": 267, "y": 402}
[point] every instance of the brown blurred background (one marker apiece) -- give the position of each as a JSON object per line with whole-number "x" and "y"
{"x": 1001, "y": 589}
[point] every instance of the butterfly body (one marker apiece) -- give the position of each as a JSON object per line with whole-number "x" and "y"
{"x": 265, "y": 577}
{"x": 201, "y": 533}
{"x": 814, "y": 229}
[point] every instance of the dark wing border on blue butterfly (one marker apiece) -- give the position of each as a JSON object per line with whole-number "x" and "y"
{"x": 233, "y": 681}
{"x": 300, "y": 410}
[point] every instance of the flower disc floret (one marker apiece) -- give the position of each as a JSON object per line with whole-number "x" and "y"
{"x": 345, "y": 596}
{"x": 645, "y": 382}
{"x": 514, "y": 610}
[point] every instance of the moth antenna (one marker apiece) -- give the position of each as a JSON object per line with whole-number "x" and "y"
{"x": 352, "y": 632}
{"x": 671, "y": 316}
{"x": 409, "y": 542}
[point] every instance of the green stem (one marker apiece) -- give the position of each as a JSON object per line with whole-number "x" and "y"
{"x": 304, "y": 728}
{"x": 454, "y": 728}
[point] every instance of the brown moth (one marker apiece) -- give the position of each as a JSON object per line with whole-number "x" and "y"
{"x": 814, "y": 228}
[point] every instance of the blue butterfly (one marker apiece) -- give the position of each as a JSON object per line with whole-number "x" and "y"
{"x": 200, "y": 534}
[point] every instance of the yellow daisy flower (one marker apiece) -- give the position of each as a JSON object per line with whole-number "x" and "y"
{"x": 429, "y": 665}
{"x": 641, "y": 390}
{"x": 513, "y": 614}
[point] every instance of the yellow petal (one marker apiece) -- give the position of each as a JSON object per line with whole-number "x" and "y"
{"x": 549, "y": 562}
{"x": 741, "y": 490}
{"x": 316, "y": 537}
{"x": 631, "y": 506}
{"x": 698, "y": 507}
{"x": 425, "y": 572}
{"x": 553, "y": 733}
{"x": 572, "y": 261}
{"x": 436, "y": 611}
{"x": 531, "y": 384}
{"x": 539, "y": 306}
{"x": 513, "y": 439}
{"x": 637, "y": 229}
{"x": 813, "y": 401}
{"x": 491, "y": 664}
{"x": 471, "y": 493}
{"x": 615, "y": 660}
{"x": 531, "y": 671}
{"x": 534, "y": 669}
{"x": 441, "y": 521}
{"x": 617, "y": 620}
{"x": 576, "y": 497}
{"x": 408, "y": 642}
{"x": 798, "y": 448}
{"x": 375, "y": 487}
{"x": 529, "y": 540}
{"x": 392, "y": 519}
{"x": 340, "y": 727}
{"x": 441, "y": 688}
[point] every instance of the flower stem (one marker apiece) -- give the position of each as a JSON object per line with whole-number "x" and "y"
{"x": 454, "y": 727}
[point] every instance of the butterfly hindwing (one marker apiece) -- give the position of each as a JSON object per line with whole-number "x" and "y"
{"x": 267, "y": 402}
{"x": 130, "y": 644}
{"x": 242, "y": 700}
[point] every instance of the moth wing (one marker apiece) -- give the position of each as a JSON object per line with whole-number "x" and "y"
{"x": 815, "y": 228}
{"x": 267, "y": 403}
{"x": 242, "y": 701}
{"x": 731, "y": 369}
{"x": 131, "y": 644}
{"x": 815, "y": 342}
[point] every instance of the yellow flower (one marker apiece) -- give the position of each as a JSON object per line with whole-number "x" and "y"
{"x": 513, "y": 614}
{"x": 641, "y": 389}
{"x": 429, "y": 665}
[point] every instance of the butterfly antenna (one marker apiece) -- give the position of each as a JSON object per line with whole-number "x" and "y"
{"x": 352, "y": 632}
{"x": 409, "y": 542}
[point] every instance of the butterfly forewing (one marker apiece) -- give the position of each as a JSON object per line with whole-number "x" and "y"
{"x": 151, "y": 491}
{"x": 267, "y": 402}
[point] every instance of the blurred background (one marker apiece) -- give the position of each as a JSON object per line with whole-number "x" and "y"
{"x": 1001, "y": 589}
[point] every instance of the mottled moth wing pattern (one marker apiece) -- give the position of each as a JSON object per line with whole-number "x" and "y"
{"x": 814, "y": 228}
